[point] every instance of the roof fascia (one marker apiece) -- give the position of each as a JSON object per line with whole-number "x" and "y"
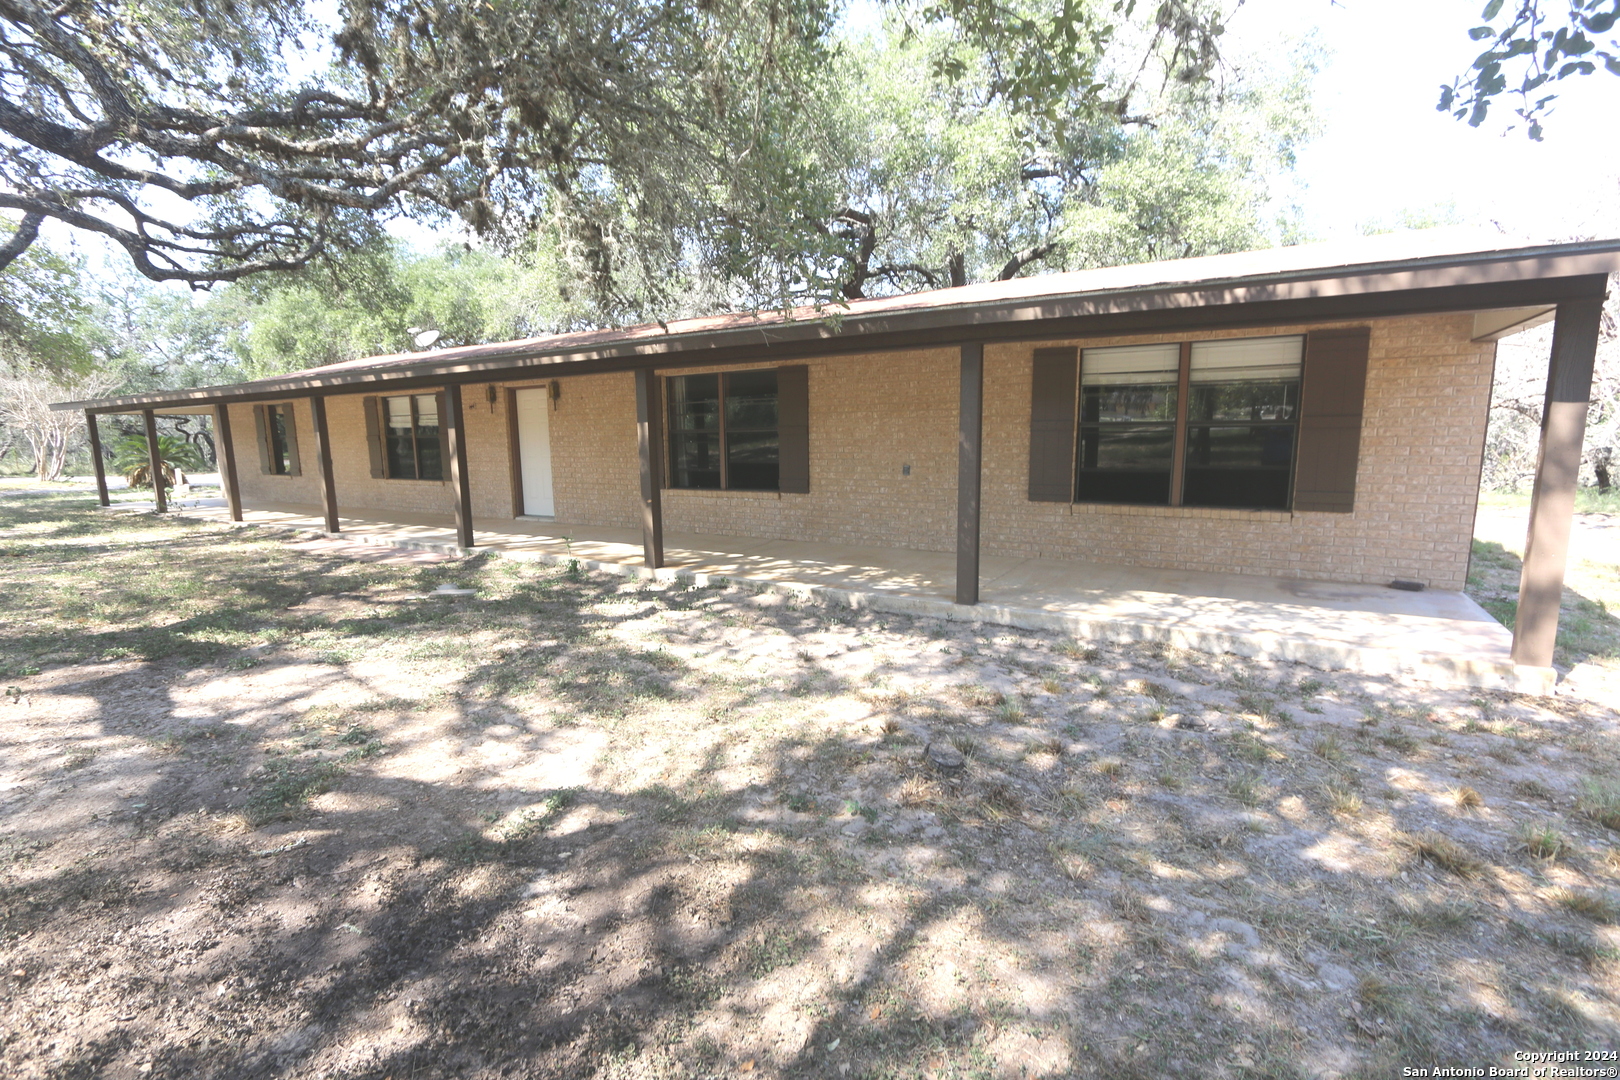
{"x": 1543, "y": 280}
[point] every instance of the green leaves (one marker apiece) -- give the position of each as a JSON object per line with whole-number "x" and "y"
{"x": 1542, "y": 47}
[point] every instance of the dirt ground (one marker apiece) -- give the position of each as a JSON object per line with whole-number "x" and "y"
{"x": 270, "y": 811}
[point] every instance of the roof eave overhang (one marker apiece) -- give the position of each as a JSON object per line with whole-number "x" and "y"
{"x": 1542, "y": 277}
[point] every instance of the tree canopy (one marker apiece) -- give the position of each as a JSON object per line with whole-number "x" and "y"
{"x": 1534, "y": 44}
{"x": 656, "y": 145}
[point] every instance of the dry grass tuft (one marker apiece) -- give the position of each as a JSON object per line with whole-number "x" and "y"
{"x": 1156, "y": 691}
{"x": 999, "y": 802}
{"x": 1075, "y": 650}
{"x": 1111, "y": 767}
{"x": 979, "y": 697}
{"x": 1543, "y": 841}
{"x": 1329, "y": 749}
{"x": 1131, "y": 907}
{"x": 920, "y": 791}
{"x": 1011, "y": 709}
{"x": 1247, "y": 789}
{"x": 1465, "y": 798}
{"x": 1073, "y": 799}
{"x": 1599, "y": 907}
{"x": 1252, "y": 748}
{"x": 1051, "y": 745}
{"x": 1600, "y": 801}
{"x": 1444, "y": 852}
{"x": 1379, "y": 997}
{"x": 1344, "y": 800}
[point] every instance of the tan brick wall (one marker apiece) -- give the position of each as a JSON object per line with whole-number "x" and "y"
{"x": 1423, "y": 433}
{"x": 357, "y": 490}
{"x": 870, "y": 416}
{"x": 595, "y": 475}
{"x": 1428, "y": 387}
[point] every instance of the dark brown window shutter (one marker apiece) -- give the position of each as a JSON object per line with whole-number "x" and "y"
{"x": 294, "y": 467}
{"x": 261, "y": 429}
{"x": 793, "y": 428}
{"x": 1330, "y": 405}
{"x": 374, "y": 443}
{"x": 442, "y": 403}
{"x": 1051, "y": 425}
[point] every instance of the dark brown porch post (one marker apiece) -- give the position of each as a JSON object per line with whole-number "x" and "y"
{"x": 95, "y": 457}
{"x": 323, "y": 462}
{"x": 1552, "y": 502}
{"x": 457, "y": 429}
{"x": 969, "y": 455}
{"x": 154, "y": 462}
{"x": 225, "y": 458}
{"x": 649, "y": 447}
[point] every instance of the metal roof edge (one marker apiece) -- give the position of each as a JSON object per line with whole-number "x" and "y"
{"x": 1578, "y": 261}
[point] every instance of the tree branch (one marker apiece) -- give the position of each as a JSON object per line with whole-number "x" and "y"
{"x": 27, "y": 232}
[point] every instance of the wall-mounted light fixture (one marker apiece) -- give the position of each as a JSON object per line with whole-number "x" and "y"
{"x": 490, "y": 392}
{"x": 556, "y": 393}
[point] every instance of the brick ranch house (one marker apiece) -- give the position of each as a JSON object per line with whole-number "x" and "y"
{"x": 1312, "y": 413}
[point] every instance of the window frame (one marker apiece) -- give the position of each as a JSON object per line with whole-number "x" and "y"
{"x": 416, "y": 439}
{"x": 721, "y": 432}
{"x": 278, "y": 417}
{"x": 1184, "y": 425}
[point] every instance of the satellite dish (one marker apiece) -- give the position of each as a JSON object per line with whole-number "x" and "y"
{"x": 423, "y": 338}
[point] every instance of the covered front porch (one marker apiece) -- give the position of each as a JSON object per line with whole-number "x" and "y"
{"x": 1435, "y": 636}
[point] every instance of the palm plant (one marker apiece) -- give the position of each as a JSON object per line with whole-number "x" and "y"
{"x": 130, "y": 458}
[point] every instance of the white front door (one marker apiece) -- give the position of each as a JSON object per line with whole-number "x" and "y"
{"x": 534, "y": 450}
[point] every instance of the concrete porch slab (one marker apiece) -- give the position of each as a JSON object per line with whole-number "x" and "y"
{"x": 1437, "y": 637}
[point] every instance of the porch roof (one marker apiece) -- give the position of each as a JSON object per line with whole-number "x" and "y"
{"x": 1404, "y": 273}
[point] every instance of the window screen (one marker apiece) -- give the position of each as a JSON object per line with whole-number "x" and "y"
{"x": 724, "y": 431}
{"x": 1127, "y": 429}
{"x": 411, "y": 437}
{"x": 1242, "y": 420}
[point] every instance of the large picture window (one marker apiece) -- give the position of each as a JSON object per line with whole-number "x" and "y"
{"x": 1243, "y": 412}
{"x": 1226, "y": 440}
{"x": 411, "y": 437}
{"x": 724, "y": 431}
{"x": 1126, "y": 438}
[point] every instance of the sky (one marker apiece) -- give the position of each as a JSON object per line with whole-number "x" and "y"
{"x": 1385, "y": 152}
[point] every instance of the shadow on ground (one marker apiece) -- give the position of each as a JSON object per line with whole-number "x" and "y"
{"x": 305, "y": 819}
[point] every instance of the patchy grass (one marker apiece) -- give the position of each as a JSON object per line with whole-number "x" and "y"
{"x": 1589, "y": 617}
{"x": 1600, "y": 801}
{"x": 1542, "y": 840}
{"x": 1444, "y": 852}
{"x": 577, "y": 825}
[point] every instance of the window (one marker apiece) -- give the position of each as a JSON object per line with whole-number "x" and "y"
{"x": 1126, "y": 439}
{"x": 411, "y": 437}
{"x": 280, "y": 419}
{"x": 1242, "y": 415}
{"x": 724, "y": 431}
{"x": 277, "y": 436}
{"x": 1238, "y": 419}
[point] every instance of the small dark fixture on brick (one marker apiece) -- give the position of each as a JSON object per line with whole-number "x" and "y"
{"x": 905, "y": 470}
{"x": 1406, "y": 586}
